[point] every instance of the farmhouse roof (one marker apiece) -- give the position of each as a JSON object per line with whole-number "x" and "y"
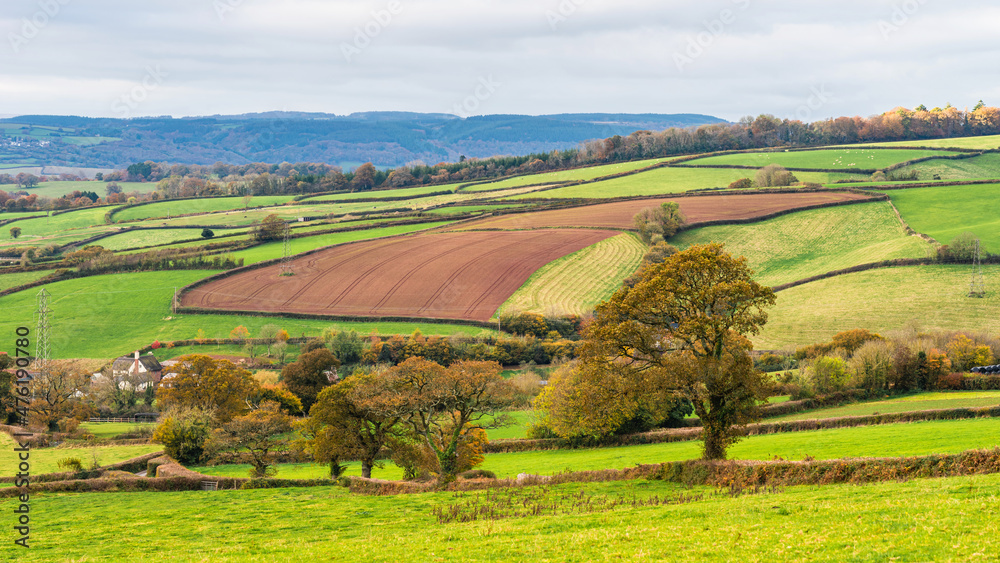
{"x": 149, "y": 363}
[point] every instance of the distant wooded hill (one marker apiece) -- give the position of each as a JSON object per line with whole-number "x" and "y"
{"x": 387, "y": 139}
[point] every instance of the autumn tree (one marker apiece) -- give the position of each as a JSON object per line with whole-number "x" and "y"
{"x": 656, "y": 223}
{"x": 680, "y": 329}
{"x": 121, "y": 391}
{"x": 271, "y": 227}
{"x": 206, "y": 383}
{"x": 183, "y": 432}
{"x": 355, "y": 419}
{"x": 308, "y": 375}
{"x": 269, "y": 335}
{"x": 239, "y": 334}
{"x": 774, "y": 175}
{"x": 258, "y": 433}
{"x": 446, "y": 405}
{"x": 7, "y": 378}
{"x": 364, "y": 177}
{"x": 56, "y": 389}
{"x": 15, "y": 232}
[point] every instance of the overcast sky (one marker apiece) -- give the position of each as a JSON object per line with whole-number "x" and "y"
{"x": 729, "y": 58}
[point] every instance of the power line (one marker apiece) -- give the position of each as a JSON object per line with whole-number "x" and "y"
{"x": 43, "y": 349}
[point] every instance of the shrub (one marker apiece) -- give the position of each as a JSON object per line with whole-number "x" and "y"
{"x": 952, "y": 381}
{"x": 741, "y": 184}
{"x": 70, "y": 464}
{"x": 183, "y": 433}
{"x": 477, "y": 474}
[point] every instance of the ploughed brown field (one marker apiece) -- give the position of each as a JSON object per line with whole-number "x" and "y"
{"x": 699, "y": 209}
{"x": 429, "y": 275}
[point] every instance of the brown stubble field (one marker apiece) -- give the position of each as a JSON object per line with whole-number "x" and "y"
{"x": 698, "y": 209}
{"x": 431, "y": 275}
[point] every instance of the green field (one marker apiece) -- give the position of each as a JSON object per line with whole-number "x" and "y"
{"x": 573, "y": 175}
{"x": 893, "y": 440}
{"x": 861, "y": 159}
{"x": 809, "y": 243}
{"x": 76, "y": 219}
{"x": 401, "y": 192}
{"x": 112, "y": 429}
{"x": 45, "y": 460}
{"x": 199, "y": 205}
{"x": 667, "y": 181}
{"x": 948, "y": 211}
{"x": 982, "y": 142}
{"x": 106, "y": 316}
{"x": 977, "y": 167}
{"x": 59, "y": 188}
{"x": 8, "y": 281}
{"x": 929, "y": 298}
{"x": 921, "y": 402}
{"x": 468, "y": 209}
{"x": 574, "y": 284}
{"x": 144, "y": 238}
{"x": 954, "y": 519}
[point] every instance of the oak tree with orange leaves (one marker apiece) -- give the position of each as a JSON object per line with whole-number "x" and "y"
{"x": 681, "y": 330}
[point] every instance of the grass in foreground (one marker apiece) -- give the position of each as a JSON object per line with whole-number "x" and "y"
{"x": 809, "y": 243}
{"x": 931, "y": 298}
{"x": 921, "y": 402}
{"x": 948, "y": 211}
{"x": 574, "y": 284}
{"x": 954, "y": 519}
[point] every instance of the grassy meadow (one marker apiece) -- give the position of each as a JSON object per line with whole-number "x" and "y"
{"x": 978, "y": 167}
{"x": 144, "y": 238}
{"x": 954, "y": 519}
{"x": 846, "y": 158}
{"x": 59, "y": 188}
{"x": 667, "y": 180}
{"x": 106, "y": 316}
{"x": 918, "y": 402}
{"x": 813, "y": 242}
{"x": 198, "y": 205}
{"x": 400, "y": 192}
{"x": 926, "y": 298}
{"x": 981, "y": 143}
{"x": 892, "y": 440}
{"x": 574, "y": 284}
{"x": 574, "y": 175}
{"x": 46, "y": 460}
{"x": 948, "y": 211}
